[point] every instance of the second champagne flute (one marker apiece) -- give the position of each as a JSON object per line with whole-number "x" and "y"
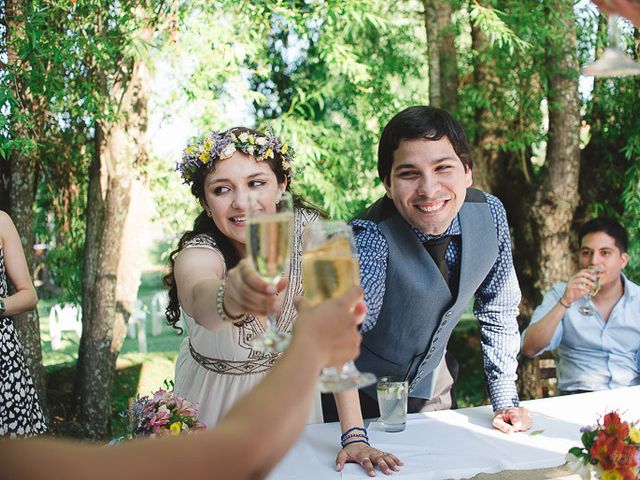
{"x": 330, "y": 268}
{"x": 269, "y": 248}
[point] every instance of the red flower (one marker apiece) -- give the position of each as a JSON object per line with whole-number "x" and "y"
{"x": 614, "y": 427}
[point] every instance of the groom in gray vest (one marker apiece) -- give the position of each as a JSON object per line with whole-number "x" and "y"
{"x": 426, "y": 248}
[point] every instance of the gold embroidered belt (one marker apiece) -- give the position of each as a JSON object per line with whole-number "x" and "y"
{"x": 235, "y": 367}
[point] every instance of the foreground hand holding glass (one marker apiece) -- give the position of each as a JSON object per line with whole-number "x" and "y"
{"x": 330, "y": 267}
{"x": 269, "y": 247}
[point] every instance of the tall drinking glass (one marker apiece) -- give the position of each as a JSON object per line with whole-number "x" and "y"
{"x": 588, "y": 308}
{"x": 268, "y": 246}
{"x": 614, "y": 62}
{"x": 329, "y": 268}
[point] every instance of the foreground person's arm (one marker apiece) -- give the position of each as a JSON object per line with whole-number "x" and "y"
{"x": 248, "y": 442}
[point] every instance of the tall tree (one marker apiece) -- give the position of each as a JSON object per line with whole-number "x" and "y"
{"x": 556, "y": 196}
{"x": 27, "y": 125}
{"x": 119, "y": 150}
{"x": 442, "y": 54}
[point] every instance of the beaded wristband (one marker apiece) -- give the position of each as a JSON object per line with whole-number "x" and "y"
{"x": 354, "y": 435}
{"x": 356, "y": 441}
{"x": 355, "y": 432}
{"x": 222, "y": 312}
{"x": 363, "y": 430}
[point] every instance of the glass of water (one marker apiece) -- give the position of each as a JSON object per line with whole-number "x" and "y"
{"x": 393, "y": 393}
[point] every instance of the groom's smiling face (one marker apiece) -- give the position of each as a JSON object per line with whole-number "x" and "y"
{"x": 428, "y": 183}
{"x": 600, "y": 250}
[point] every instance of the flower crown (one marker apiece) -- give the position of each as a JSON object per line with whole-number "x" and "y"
{"x": 222, "y": 144}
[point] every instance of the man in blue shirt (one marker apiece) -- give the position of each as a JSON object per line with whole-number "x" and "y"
{"x": 593, "y": 320}
{"x": 426, "y": 248}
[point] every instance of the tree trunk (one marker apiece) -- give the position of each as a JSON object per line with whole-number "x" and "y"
{"x": 442, "y": 55}
{"x": 134, "y": 243}
{"x": 487, "y": 170}
{"x": 22, "y": 184}
{"x": 556, "y": 197}
{"x": 448, "y": 57}
{"x": 119, "y": 152}
{"x": 433, "y": 51}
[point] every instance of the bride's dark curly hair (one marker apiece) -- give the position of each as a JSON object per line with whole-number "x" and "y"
{"x": 206, "y": 225}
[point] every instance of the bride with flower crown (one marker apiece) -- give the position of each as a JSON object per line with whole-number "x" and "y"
{"x": 214, "y": 289}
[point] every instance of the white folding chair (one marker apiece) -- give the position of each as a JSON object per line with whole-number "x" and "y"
{"x": 159, "y": 303}
{"x": 64, "y": 317}
{"x": 137, "y": 325}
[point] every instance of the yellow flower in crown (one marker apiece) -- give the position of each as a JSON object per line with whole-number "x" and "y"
{"x": 176, "y": 428}
{"x": 205, "y": 156}
{"x": 252, "y": 140}
{"x": 285, "y": 149}
{"x": 268, "y": 153}
{"x": 634, "y": 435}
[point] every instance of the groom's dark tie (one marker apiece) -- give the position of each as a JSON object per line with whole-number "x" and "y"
{"x": 437, "y": 249}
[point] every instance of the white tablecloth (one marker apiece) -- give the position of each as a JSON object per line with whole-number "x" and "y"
{"x": 461, "y": 443}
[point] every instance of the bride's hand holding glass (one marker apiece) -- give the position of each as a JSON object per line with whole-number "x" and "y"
{"x": 248, "y": 292}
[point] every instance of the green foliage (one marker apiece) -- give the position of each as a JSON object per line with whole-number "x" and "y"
{"x": 490, "y": 21}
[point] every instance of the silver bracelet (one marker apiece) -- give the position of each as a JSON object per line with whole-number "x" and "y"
{"x": 222, "y": 312}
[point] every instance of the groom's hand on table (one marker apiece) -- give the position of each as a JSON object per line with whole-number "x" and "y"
{"x": 514, "y": 419}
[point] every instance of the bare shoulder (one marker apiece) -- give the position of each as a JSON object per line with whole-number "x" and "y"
{"x": 7, "y": 228}
{"x": 5, "y": 220}
{"x": 199, "y": 263}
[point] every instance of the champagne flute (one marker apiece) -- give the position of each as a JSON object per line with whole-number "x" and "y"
{"x": 588, "y": 309}
{"x": 614, "y": 62}
{"x": 268, "y": 244}
{"x": 329, "y": 268}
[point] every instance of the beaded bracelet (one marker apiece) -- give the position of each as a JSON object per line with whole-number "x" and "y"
{"x": 354, "y": 433}
{"x": 363, "y": 430}
{"x": 356, "y": 441}
{"x": 222, "y": 312}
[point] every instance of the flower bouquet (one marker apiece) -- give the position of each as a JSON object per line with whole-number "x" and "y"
{"x": 162, "y": 414}
{"x": 611, "y": 450}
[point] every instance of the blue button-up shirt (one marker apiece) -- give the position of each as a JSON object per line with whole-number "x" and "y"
{"x": 594, "y": 354}
{"x": 496, "y": 304}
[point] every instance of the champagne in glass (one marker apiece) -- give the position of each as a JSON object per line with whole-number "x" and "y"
{"x": 269, "y": 244}
{"x": 330, "y": 268}
{"x": 269, "y": 247}
{"x": 588, "y": 309}
{"x": 329, "y": 271}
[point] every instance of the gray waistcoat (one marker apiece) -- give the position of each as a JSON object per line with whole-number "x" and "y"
{"x": 418, "y": 312}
